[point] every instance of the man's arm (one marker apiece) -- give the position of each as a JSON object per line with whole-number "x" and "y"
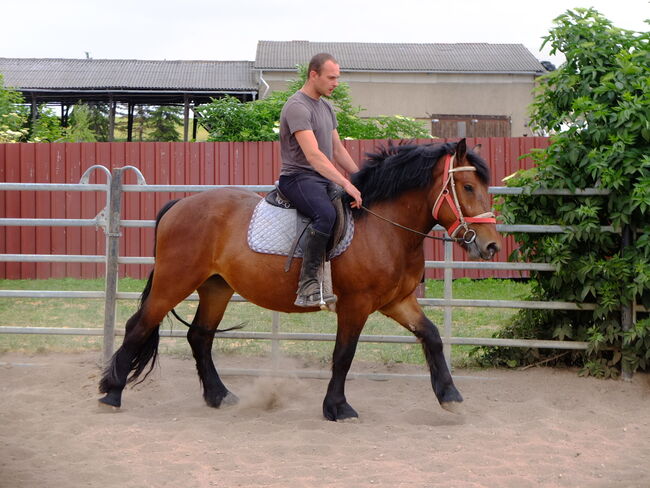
{"x": 324, "y": 166}
{"x": 341, "y": 155}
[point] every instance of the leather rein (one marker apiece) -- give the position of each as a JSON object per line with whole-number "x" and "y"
{"x": 451, "y": 197}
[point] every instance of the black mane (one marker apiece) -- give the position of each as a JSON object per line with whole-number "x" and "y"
{"x": 396, "y": 169}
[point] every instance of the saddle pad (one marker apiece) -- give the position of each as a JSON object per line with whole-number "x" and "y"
{"x": 272, "y": 230}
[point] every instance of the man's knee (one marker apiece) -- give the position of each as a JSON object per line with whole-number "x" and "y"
{"x": 325, "y": 221}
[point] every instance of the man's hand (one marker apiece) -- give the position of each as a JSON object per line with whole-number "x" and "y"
{"x": 352, "y": 190}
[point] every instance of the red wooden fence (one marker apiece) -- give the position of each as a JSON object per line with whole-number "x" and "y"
{"x": 221, "y": 163}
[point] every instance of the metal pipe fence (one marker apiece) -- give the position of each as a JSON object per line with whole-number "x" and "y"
{"x": 110, "y": 221}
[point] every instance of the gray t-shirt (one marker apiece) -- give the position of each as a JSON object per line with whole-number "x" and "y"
{"x": 301, "y": 112}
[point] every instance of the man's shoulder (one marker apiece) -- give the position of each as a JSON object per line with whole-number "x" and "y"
{"x": 297, "y": 99}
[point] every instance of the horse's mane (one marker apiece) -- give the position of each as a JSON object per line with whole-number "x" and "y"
{"x": 396, "y": 169}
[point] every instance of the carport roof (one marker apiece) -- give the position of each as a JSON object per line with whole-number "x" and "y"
{"x": 128, "y": 74}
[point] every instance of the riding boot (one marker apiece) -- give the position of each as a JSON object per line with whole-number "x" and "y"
{"x": 309, "y": 286}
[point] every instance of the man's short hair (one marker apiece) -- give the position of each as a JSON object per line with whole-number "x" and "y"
{"x": 317, "y": 62}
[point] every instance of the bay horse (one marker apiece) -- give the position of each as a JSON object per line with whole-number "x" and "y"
{"x": 201, "y": 244}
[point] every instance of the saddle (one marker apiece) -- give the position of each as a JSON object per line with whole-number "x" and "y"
{"x": 335, "y": 192}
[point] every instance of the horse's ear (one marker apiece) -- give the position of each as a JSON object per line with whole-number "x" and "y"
{"x": 477, "y": 149}
{"x": 461, "y": 150}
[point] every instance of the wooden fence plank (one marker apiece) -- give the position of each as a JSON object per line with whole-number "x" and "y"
{"x": 28, "y": 208}
{"x": 43, "y": 234}
{"x": 3, "y": 207}
{"x": 13, "y": 244}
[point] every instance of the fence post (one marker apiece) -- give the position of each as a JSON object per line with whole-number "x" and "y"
{"x": 112, "y": 253}
{"x": 275, "y": 343}
{"x": 448, "y": 295}
{"x": 626, "y": 310}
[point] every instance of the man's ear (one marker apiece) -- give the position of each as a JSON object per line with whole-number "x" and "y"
{"x": 477, "y": 149}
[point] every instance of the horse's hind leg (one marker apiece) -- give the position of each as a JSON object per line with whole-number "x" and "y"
{"x": 410, "y": 315}
{"x": 214, "y": 295}
{"x": 139, "y": 347}
{"x": 141, "y": 338}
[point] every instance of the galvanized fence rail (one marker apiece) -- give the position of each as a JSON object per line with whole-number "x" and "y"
{"x": 111, "y": 222}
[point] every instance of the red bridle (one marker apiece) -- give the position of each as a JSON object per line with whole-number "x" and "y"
{"x": 452, "y": 199}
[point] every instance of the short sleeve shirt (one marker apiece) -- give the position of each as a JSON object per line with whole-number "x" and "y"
{"x": 301, "y": 112}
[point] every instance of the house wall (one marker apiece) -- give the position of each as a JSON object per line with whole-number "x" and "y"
{"x": 419, "y": 95}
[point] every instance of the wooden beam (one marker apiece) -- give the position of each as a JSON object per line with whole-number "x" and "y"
{"x": 111, "y": 119}
{"x": 129, "y": 130}
{"x": 186, "y": 117}
{"x": 194, "y": 123}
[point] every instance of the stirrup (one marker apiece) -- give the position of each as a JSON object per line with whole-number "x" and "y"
{"x": 314, "y": 300}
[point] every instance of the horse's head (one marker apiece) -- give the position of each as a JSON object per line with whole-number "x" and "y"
{"x": 462, "y": 204}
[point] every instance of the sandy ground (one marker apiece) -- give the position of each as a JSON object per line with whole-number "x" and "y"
{"x": 541, "y": 427}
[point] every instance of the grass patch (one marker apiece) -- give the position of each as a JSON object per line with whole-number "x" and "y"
{"x": 88, "y": 313}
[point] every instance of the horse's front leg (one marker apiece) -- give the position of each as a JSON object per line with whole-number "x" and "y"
{"x": 410, "y": 315}
{"x": 350, "y": 324}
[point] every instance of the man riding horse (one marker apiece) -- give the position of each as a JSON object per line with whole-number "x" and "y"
{"x": 309, "y": 144}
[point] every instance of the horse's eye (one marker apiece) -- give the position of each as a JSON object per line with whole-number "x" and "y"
{"x": 469, "y": 188}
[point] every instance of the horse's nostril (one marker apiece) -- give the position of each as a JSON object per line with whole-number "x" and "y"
{"x": 493, "y": 248}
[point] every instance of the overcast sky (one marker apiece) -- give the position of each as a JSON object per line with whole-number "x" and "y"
{"x": 229, "y": 30}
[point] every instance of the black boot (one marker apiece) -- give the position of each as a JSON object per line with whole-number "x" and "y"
{"x": 309, "y": 287}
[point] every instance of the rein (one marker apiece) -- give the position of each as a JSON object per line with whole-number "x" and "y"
{"x": 451, "y": 198}
{"x": 446, "y": 239}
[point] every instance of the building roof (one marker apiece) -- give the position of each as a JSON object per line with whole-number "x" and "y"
{"x": 358, "y": 56}
{"x": 127, "y": 74}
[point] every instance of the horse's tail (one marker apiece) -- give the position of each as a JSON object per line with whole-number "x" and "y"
{"x": 149, "y": 350}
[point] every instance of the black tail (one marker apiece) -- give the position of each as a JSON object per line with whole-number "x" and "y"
{"x": 148, "y": 352}
{"x": 184, "y": 322}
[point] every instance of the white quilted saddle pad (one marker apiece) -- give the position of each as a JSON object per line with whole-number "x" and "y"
{"x": 272, "y": 230}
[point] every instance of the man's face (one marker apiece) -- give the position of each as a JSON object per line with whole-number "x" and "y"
{"x": 327, "y": 80}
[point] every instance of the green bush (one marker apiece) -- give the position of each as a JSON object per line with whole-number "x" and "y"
{"x": 596, "y": 109}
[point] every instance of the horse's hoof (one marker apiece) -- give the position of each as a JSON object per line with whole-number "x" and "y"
{"x": 229, "y": 400}
{"x": 453, "y": 407}
{"x": 112, "y": 400}
{"x": 339, "y": 413}
{"x": 450, "y": 395}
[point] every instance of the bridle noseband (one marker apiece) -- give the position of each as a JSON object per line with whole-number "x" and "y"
{"x": 452, "y": 199}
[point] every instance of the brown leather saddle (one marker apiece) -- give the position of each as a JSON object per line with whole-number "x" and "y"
{"x": 335, "y": 192}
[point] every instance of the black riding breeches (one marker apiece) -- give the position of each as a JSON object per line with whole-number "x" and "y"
{"x": 308, "y": 193}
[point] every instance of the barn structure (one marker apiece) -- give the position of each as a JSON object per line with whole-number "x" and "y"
{"x": 461, "y": 90}
{"x": 130, "y": 82}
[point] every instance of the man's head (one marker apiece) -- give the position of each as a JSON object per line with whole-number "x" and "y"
{"x": 323, "y": 74}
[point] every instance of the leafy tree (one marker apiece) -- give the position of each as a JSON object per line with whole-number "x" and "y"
{"x": 163, "y": 122}
{"x": 98, "y": 120}
{"x": 596, "y": 107}
{"x": 79, "y": 129}
{"x": 13, "y": 114}
{"x": 228, "y": 119}
{"x": 47, "y": 127}
{"x": 140, "y": 121}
